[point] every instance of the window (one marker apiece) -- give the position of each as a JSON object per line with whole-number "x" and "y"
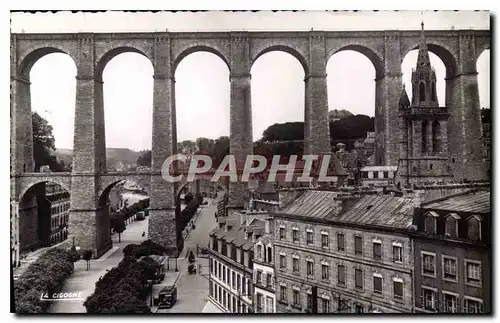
{"x": 377, "y": 250}
{"x": 309, "y": 301}
{"x": 398, "y": 288}
{"x": 397, "y": 253}
{"x": 310, "y": 267}
{"x": 224, "y": 274}
{"x": 282, "y": 234}
{"x": 295, "y": 235}
{"x": 310, "y": 237}
{"x": 428, "y": 299}
{"x": 474, "y": 228}
{"x": 259, "y": 302}
{"x": 238, "y": 282}
{"x": 283, "y": 294}
{"x": 270, "y": 305}
{"x": 259, "y": 277}
{"x": 386, "y": 174}
{"x": 233, "y": 279}
{"x": 473, "y": 270}
{"x": 259, "y": 252}
{"x": 282, "y": 261}
{"x": 421, "y": 91}
{"x": 451, "y": 229}
{"x": 359, "y": 308}
{"x": 296, "y": 297}
{"x": 375, "y": 174}
{"x": 430, "y": 224}
{"x": 473, "y": 306}
{"x": 324, "y": 240}
{"x": 340, "y": 242}
{"x": 449, "y": 268}
{"x": 243, "y": 286}
{"x": 377, "y": 284}
{"x": 325, "y": 302}
{"x": 325, "y": 271}
{"x": 296, "y": 265}
{"x": 227, "y": 271}
{"x": 428, "y": 264}
{"x": 269, "y": 254}
{"x": 450, "y": 303}
{"x": 341, "y": 275}
{"x": 358, "y": 245}
{"x": 269, "y": 280}
{"x": 358, "y": 278}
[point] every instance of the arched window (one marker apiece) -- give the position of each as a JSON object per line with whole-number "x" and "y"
{"x": 436, "y": 136}
{"x": 451, "y": 229}
{"x": 421, "y": 91}
{"x": 24, "y": 168}
{"x": 424, "y": 136}
{"x": 269, "y": 254}
{"x": 430, "y": 222}
{"x": 433, "y": 87}
{"x": 474, "y": 227}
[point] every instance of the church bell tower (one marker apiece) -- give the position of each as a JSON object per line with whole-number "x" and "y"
{"x": 423, "y": 124}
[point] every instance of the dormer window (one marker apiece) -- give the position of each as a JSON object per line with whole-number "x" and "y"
{"x": 474, "y": 227}
{"x": 430, "y": 222}
{"x": 259, "y": 251}
{"x": 451, "y": 229}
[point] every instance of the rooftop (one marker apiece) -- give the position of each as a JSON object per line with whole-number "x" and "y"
{"x": 471, "y": 201}
{"x": 376, "y": 210}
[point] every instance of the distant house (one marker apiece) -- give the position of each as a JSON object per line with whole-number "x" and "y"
{"x": 378, "y": 175}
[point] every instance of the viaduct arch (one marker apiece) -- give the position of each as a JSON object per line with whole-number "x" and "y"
{"x": 458, "y": 49}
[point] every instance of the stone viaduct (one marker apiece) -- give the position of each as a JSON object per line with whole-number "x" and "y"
{"x": 458, "y": 49}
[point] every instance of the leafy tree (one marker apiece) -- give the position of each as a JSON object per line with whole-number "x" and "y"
{"x": 144, "y": 158}
{"x": 44, "y": 144}
{"x": 205, "y": 145}
{"x": 284, "y": 132}
{"x": 119, "y": 227}
{"x": 87, "y": 255}
{"x": 73, "y": 254}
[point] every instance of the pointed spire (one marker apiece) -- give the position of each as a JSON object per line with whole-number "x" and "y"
{"x": 404, "y": 101}
{"x": 423, "y": 59}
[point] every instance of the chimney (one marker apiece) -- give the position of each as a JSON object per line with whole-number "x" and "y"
{"x": 267, "y": 227}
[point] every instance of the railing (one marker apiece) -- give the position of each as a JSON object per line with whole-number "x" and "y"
{"x": 429, "y": 111}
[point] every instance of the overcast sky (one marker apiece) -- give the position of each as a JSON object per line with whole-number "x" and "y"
{"x": 202, "y": 79}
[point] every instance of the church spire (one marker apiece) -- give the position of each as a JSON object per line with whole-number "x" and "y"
{"x": 404, "y": 101}
{"x": 423, "y": 59}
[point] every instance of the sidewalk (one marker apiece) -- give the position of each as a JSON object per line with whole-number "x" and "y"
{"x": 84, "y": 281}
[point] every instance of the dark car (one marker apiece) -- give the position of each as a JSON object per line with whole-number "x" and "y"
{"x": 167, "y": 297}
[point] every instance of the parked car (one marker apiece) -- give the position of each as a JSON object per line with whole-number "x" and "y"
{"x": 167, "y": 297}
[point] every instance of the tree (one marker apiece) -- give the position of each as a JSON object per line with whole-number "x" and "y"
{"x": 44, "y": 144}
{"x": 144, "y": 158}
{"x": 87, "y": 255}
{"x": 119, "y": 227}
{"x": 73, "y": 254}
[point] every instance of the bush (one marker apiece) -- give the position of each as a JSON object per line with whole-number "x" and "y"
{"x": 146, "y": 248}
{"x": 46, "y": 275}
{"x": 123, "y": 289}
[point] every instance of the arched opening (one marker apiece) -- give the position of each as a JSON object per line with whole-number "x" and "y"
{"x": 44, "y": 210}
{"x": 433, "y": 89}
{"x": 421, "y": 95}
{"x": 425, "y": 125}
{"x": 351, "y": 115}
{"x": 483, "y": 80}
{"x": 202, "y": 104}
{"x": 277, "y": 96}
{"x": 438, "y": 56}
{"x": 52, "y": 92}
{"x": 436, "y": 137}
{"x": 122, "y": 201}
{"x": 128, "y": 106}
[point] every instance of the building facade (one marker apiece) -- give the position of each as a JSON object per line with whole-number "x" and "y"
{"x": 452, "y": 248}
{"x": 231, "y": 261}
{"x": 59, "y": 200}
{"x": 344, "y": 256}
{"x": 263, "y": 271}
{"x": 378, "y": 175}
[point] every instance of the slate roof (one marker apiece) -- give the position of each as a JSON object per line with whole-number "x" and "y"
{"x": 471, "y": 202}
{"x": 376, "y": 210}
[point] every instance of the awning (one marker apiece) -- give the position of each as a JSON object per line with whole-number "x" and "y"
{"x": 211, "y": 308}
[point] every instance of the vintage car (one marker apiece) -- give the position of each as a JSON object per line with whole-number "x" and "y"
{"x": 167, "y": 297}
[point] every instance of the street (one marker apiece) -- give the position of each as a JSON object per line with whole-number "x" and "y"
{"x": 192, "y": 289}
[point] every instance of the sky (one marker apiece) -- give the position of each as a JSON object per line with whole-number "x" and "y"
{"x": 202, "y": 79}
